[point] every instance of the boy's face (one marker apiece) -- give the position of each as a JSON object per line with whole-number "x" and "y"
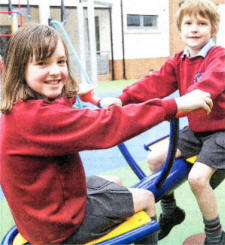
{"x": 195, "y": 32}
{"x": 48, "y": 77}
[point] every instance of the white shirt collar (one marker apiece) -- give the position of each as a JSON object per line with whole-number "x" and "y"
{"x": 202, "y": 53}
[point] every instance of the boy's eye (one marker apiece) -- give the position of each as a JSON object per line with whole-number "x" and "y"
{"x": 187, "y": 22}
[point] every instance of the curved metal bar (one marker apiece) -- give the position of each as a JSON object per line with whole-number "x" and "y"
{"x": 174, "y": 134}
{"x": 10, "y": 235}
{"x": 130, "y": 160}
{"x": 177, "y": 176}
{"x": 57, "y": 24}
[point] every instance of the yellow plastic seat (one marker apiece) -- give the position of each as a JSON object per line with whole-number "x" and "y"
{"x": 137, "y": 220}
{"x": 19, "y": 240}
{"x": 133, "y": 222}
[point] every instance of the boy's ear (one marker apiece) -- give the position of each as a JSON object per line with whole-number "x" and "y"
{"x": 213, "y": 33}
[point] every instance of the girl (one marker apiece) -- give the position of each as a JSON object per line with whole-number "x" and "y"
{"x": 41, "y": 135}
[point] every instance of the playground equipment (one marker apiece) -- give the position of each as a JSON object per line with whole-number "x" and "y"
{"x": 171, "y": 175}
{"x": 140, "y": 224}
{"x": 16, "y": 21}
{"x": 13, "y": 14}
{"x": 163, "y": 181}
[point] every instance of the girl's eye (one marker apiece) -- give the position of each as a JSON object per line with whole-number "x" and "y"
{"x": 41, "y": 63}
{"x": 62, "y": 61}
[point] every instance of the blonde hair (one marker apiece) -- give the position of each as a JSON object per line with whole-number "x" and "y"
{"x": 204, "y": 8}
{"x": 29, "y": 41}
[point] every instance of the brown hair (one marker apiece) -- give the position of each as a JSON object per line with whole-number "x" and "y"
{"x": 31, "y": 40}
{"x": 204, "y": 8}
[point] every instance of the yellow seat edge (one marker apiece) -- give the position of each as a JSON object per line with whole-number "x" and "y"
{"x": 19, "y": 240}
{"x": 133, "y": 222}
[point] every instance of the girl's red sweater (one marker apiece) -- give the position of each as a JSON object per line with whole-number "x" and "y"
{"x": 179, "y": 72}
{"x": 41, "y": 172}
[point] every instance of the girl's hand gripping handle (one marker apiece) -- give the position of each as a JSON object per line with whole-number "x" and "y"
{"x": 92, "y": 98}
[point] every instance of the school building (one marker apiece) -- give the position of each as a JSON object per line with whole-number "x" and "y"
{"x": 131, "y": 37}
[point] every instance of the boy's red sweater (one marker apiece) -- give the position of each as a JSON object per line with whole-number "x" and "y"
{"x": 41, "y": 172}
{"x": 207, "y": 74}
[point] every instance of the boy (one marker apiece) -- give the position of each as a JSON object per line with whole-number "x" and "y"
{"x": 199, "y": 66}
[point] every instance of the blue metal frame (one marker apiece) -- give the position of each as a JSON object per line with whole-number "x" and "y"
{"x": 131, "y": 162}
{"x": 125, "y": 238}
{"x": 164, "y": 172}
{"x": 174, "y": 134}
{"x": 10, "y": 235}
{"x": 132, "y": 235}
{"x": 176, "y": 176}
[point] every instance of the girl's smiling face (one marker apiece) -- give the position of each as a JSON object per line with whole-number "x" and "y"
{"x": 48, "y": 77}
{"x": 195, "y": 32}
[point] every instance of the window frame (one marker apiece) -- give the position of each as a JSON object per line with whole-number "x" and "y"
{"x": 140, "y": 26}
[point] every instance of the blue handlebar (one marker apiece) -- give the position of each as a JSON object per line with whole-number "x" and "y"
{"x": 173, "y": 140}
{"x": 174, "y": 133}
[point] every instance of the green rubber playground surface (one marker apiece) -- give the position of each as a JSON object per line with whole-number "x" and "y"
{"x": 185, "y": 199}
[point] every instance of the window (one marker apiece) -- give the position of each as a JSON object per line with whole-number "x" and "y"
{"x": 133, "y": 20}
{"x": 150, "y": 20}
{"x": 142, "y": 21}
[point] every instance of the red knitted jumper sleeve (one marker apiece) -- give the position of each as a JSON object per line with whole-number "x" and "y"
{"x": 159, "y": 84}
{"x": 53, "y": 129}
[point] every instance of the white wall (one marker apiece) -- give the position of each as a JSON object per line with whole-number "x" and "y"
{"x": 220, "y": 38}
{"x": 143, "y": 43}
{"x": 116, "y": 28}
